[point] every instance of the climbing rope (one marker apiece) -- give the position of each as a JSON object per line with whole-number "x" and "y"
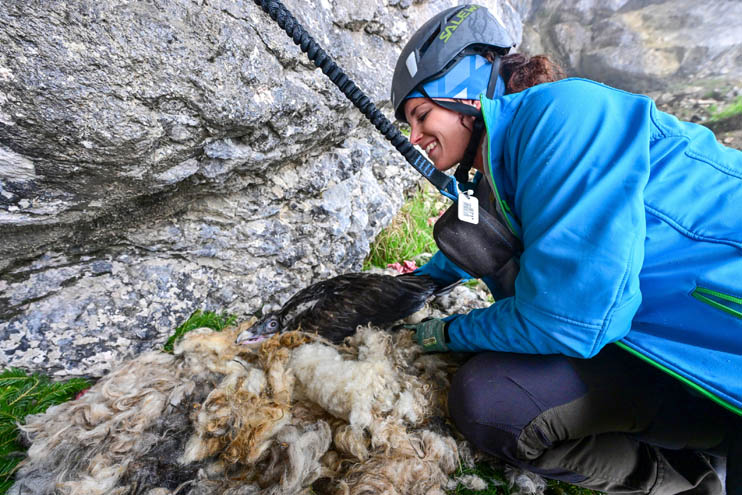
{"x": 444, "y": 183}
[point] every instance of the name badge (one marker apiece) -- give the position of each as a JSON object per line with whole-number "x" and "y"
{"x": 468, "y": 207}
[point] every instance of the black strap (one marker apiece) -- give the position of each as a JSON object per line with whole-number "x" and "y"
{"x": 444, "y": 183}
{"x": 462, "y": 171}
{"x": 494, "y": 74}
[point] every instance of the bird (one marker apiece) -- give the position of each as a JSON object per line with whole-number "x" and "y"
{"x": 333, "y": 308}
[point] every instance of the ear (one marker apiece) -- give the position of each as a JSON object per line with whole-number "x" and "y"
{"x": 467, "y": 121}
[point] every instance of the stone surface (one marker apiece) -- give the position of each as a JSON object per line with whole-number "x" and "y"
{"x": 160, "y": 157}
{"x": 640, "y": 45}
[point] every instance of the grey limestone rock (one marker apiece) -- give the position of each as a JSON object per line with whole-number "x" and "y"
{"x": 158, "y": 157}
{"x": 640, "y": 45}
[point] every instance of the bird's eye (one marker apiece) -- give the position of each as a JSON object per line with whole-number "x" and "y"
{"x": 272, "y": 324}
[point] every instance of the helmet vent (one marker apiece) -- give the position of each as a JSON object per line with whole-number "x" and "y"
{"x": 429, "y": 41}
{"x": 411, "y": 64}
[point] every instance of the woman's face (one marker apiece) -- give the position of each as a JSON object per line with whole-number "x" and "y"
{"x": 442, "y": 133}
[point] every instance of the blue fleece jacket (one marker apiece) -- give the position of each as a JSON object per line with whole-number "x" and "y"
{"x": 631, "y": 222}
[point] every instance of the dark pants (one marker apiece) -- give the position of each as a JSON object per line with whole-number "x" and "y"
{"x": 611, "y": 423}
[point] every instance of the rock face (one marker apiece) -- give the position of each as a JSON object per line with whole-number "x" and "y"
{"x": 640, "y": 45}
{"x": 164, "y": 156}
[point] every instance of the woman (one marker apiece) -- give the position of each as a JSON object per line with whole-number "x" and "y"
{"x": 627, "y": 230}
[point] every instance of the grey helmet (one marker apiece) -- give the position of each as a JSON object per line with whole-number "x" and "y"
{"x": 440, "y": 43}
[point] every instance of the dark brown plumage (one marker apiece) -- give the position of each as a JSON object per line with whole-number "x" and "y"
{"x": 335, "y": 307}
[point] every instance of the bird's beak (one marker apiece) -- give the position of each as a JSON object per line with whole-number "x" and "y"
{"x": 252, "y": 335}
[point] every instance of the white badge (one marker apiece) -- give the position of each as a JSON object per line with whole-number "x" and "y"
{"x": 468, "y": 207}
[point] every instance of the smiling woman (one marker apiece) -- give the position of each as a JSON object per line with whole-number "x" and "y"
{"x": 606, "y": 221}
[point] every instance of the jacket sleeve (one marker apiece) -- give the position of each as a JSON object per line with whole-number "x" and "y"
{"x": 578, "y": 153}
{"x": 442, "y": 270}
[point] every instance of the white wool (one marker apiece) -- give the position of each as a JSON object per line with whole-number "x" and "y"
{"x": 524, "y": 482}
{"x": 195, "y": 450}
{"x": 102, "y": 481}
{"x": 255, "y": 382}
{"x": 407, "y": 408}
{"x": 471, "y": 482}
{"x": 346, "y": 389}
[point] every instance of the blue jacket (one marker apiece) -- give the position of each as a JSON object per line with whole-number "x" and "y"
{"x": 631, "y": 222}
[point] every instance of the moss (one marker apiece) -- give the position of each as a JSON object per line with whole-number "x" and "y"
{"x": 727, "y": 111}
{"x": 200, "y": 319}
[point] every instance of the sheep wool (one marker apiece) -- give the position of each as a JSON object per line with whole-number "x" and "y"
{"x": 294, "y": 414}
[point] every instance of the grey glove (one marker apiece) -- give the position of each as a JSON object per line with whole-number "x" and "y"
{"x": 430, "y": 334}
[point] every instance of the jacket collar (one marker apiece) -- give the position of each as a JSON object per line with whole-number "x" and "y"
{"x": 498, "y": 115}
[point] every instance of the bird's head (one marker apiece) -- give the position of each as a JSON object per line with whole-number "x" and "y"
{"x": 261, "y": 330}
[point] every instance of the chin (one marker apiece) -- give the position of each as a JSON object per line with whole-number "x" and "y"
{"x": 443, "y": 165}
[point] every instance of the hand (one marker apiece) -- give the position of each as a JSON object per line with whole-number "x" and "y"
{"x": 430, "y": 334}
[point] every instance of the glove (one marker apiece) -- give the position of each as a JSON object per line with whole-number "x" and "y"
{"x": 430, "y": 334}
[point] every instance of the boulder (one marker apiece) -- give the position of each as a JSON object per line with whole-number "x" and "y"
{"x": 640, "y": 45}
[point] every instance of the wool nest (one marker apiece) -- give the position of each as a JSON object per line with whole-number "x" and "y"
{"x": 293, "y": 414}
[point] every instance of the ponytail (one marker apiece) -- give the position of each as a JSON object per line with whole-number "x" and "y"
{"x": 521, "y": 72}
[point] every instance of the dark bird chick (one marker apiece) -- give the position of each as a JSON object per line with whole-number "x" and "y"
{"x": 335, "y": 307}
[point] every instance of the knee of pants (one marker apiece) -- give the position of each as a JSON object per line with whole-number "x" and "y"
{"x": 495, "y": 395}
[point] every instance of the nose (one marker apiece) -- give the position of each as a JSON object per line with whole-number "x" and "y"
{"x": 415, "y": 133}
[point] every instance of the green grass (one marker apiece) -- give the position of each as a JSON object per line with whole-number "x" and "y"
{"x": 22, "y": 394}
{"x": 409, "y": 236}
{"x": 727, "y": 111}
{"x": 200, "y": 319}
{"x": 497, "y": 485}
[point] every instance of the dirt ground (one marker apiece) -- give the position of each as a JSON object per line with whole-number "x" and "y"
{"x": 700, "y": 104}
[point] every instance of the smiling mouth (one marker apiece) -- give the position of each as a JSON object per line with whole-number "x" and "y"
{"x": 431, "y": 147}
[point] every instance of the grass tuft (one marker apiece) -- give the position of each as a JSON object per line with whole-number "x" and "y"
{"x": 22, "y": 394}
{"x": 498, "y": 485}
{"x": 200, "y": 319}
{"x": 727, "y": 111}
{"x": 410, "y": 235}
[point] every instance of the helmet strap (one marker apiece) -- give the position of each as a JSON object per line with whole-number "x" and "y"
{"x": 495, "y": 86}
{"x": 462, "y": 171}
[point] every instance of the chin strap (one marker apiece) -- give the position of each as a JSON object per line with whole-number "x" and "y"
{"x": 462, "y": 171}
{"x": 496, "y": 86}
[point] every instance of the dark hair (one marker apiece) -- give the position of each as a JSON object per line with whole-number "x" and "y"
{"x": 521, "y": 72}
